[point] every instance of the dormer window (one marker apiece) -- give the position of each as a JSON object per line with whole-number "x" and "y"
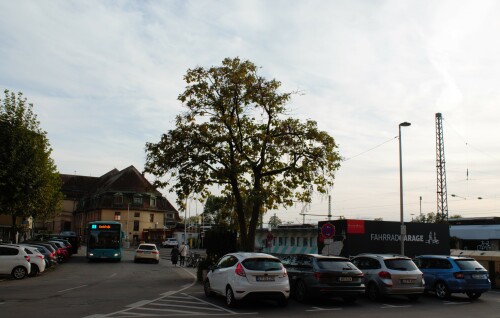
{"x": 118, "y": 198}
{"x": 152, "y": 201}
{"x": 137, "y": 199}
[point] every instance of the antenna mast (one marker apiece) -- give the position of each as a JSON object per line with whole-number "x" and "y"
{"x": 442, "y": 195}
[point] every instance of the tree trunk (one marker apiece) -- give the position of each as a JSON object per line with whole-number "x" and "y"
{"x": 14, "y": 229}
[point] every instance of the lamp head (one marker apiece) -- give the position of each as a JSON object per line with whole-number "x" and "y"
{"x": 405, "y": 124}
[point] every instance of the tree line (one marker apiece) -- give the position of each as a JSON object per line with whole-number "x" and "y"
{"x": 30, "y": 185}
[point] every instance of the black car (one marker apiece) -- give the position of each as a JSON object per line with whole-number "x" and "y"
{"x": 313, "y": 276}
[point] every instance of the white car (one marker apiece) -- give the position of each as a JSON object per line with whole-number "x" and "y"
{"x": 170, "y": 242}
{"x": 147, "y": 252}
{"x": 14, "y": 261}
{"x": 37, "y": 260}
{"x": 241, "y": 275}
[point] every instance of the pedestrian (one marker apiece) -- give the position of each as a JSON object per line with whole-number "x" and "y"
{"x": 183, "y": 250}
{"x": 174, "y": 255}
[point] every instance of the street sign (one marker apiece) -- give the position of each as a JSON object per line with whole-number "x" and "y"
{"x": 328, "y": 230}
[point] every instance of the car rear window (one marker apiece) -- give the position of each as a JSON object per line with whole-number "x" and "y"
{"x": 337, "y": 265}
{"x": 400, "y": 264}
{"x": 262, "y": 264}
{"x": 469, "y": 264}
{"x": 147, "y": 247}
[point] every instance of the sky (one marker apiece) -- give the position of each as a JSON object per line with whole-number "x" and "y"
{"x": 104, "y": 77}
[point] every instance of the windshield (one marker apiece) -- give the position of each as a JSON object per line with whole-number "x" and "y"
{"x": 400, "y": 264}
{"x": 333, "y": 264}
{"x": 469, "y": 264}
{"x": 104, "y": 239}
{"x": 262, "y": 264}
{"x": 147, "y": 247}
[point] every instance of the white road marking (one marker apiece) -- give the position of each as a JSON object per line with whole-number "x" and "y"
{"x": 323, "y": 309}
{"x": 394, "y": 306}
{"x": 65, "y": 290}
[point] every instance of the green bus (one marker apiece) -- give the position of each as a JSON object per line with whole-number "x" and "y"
{"x": 104, "y": 240}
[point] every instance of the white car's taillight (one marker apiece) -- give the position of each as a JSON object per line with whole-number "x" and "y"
{"x": 240, "y": 271}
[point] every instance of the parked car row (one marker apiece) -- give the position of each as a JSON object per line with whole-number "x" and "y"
{"x": 30, "y": 258}
{"x": 239, "y": 276}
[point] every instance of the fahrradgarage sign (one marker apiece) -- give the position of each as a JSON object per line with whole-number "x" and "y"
{"x": 352, "y": 237}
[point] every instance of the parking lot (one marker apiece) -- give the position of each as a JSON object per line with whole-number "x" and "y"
{"x": 127, "y": 289}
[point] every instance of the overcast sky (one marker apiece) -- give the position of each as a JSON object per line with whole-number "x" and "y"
{"x": 104, "y": 77}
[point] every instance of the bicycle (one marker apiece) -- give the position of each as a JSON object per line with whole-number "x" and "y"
{"x": 193, "y": 260}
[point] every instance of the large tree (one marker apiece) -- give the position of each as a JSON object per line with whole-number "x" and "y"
{"x": 29, "y": 182}
{"x": 236, "y": 134}
{"x": 219, "y": 211}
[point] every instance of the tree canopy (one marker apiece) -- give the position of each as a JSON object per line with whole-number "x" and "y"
{"x": 236, "y": 134}
{"x": 219, "y": 211}
{"x": 432, "y": 217}
{"x": 29, "y": 182}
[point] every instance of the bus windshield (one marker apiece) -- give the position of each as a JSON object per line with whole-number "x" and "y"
{"x": 104, "y": 239}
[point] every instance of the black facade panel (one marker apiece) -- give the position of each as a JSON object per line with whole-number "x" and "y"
{"x": 352, "y": 237}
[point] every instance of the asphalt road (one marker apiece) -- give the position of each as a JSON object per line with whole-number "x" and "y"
{"x": 127, "y": 289}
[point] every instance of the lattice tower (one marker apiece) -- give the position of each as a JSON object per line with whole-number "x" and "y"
{"x": 442, "y": 195}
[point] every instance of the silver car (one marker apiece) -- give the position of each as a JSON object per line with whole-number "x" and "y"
{"x": 390, "y": 275}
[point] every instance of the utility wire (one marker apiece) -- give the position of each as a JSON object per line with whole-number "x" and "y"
{"x": 362, "y": 153}
{"x": 467, "y": 143}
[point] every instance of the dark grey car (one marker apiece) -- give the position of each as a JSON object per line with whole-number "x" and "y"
{"x": 312, "y": 276}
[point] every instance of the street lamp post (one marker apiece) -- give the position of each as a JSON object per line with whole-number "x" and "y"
{"x": 128, "y": 221}
{"x": 403, "y": 228}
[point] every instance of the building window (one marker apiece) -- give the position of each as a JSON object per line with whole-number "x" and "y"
{"x": 137, "y": 214}
{"x": 118, "y": 198}
{"x": 136, "y": 225}
{"x": 152, "y": 201}
{"x": 117, "y": 216}
{"x": 305, "y": 242}
{"x": 152, "y": 217}
{"x": 280, "y": 241}
{"x": 292, "y": 241}
{"x": 137, "y": 199}
{"x": 285, "y": 241}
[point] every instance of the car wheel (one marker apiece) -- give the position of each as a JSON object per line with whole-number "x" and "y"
{"x": 135, "y": 260}
{"x": 373, "y": 292}
{"x": 19, "y": 272}
{"x": 300, "y": 291}
{"x": 207, "y": 289}
{"x": 157, "y": 261}
{"x": 230, "y": 301}
{"x": 441, "y": 290}
{"x": 34, "y": 270}
{"x": 473, "y": 295}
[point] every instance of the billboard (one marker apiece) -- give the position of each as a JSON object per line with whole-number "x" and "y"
{"x": 352, "y": 237}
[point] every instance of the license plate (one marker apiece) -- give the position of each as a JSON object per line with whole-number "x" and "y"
{"x": 345, "y": 279}
{"x": 265, "y": 278}
{"x": 408, "y": 281}
{"x": 479, "y": 276}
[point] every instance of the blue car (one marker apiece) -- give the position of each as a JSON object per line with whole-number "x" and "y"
{"x": 445, "y": 275}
